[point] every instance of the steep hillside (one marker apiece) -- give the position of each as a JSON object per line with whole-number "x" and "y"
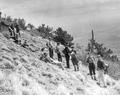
{"x": 22, "y": 73}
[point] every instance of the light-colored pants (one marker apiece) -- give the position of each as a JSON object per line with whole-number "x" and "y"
{"x": 101, "y": 77}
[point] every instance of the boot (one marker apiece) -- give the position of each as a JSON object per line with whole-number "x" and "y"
{"x": 75, "y": 68}
{"x": 95, "y": 78}
{"x": 91, "y": 77}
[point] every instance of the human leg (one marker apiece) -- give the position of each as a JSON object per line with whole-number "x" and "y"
{"x": 59, "y": 57}
{"x": 102, "y": 78}
{"x": 50, "y": 53}
{"x": 77, "y": 66}
{"x": 99, "y": 76}
{"x": 93, "y": 71}
{"x": 90, "y": 71}
{"x": 67, "y": 61}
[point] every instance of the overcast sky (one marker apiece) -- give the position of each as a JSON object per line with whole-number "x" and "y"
{"x": 76, "y": 16}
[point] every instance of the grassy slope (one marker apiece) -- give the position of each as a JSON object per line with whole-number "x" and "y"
{"x": 22, "y": 73}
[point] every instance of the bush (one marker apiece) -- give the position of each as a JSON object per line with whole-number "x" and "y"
{"x": 45, "y": 31}
{"x": 21, "y": 23}
{"x": 100, "y": 49}
{"x": 63, "y": 37}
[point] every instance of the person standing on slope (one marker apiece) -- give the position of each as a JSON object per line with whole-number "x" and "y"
{"x": 17, "y": 33}
{"x": 91, "y": 66}
{"x": 66, "y": 52}
{"x": 17, "y": 29}
{"x": 50, "y": 47}
{"x": 58, "y": 52}
{"x": 74, "y": 59}
{"x": 11, "y": 30}
{"x": 100, "y": 68}
{"x": 106, "y": 68}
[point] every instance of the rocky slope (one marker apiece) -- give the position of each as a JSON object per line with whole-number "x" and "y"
{"x": 22, "y": 73}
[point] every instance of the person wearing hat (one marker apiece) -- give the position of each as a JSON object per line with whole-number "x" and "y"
{"x": 100, "y": 68}
{"x": 66, "y": 52}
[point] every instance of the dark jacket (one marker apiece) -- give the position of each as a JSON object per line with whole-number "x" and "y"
{"x": 100, "y": 65}
{"x": 66, "y": 51}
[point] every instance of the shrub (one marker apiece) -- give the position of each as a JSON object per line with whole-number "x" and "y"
{"x": 63, "y": 37}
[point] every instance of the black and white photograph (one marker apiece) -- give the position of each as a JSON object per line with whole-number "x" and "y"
{"x": 59, "y": 47}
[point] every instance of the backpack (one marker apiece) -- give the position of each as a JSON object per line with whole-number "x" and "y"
{"x": 100, "y": 65}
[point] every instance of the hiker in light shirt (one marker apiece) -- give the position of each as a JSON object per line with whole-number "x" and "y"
{"x": 91, "y": 66}
{"x": 58, "y": 51}
{"x": 100, "y": 68}
{"x": 74, "y": 59}
{"x": 50, "y": 47}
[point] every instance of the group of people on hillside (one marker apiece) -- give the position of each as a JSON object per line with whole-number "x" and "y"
{"x": 98, "y": 65}
{"x": 67, "y": 52}
{"x": 13, "y": 28}
{"x": 70, "y": 53}
{"x": 61, "y": 51}
{"x": 14, "y": 31}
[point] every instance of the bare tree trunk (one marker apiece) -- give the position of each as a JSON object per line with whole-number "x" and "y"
{"x": 92, "y": 42}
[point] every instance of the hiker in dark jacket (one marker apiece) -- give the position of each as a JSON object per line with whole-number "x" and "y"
{"x": 74, "y": 59}
{"x": 17, "y": 33}
{"x": 66, "y": 52}
{"x": 91, "y": 66}
{"x": 100, "y": 68}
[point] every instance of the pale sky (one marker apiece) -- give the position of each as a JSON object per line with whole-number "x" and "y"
{"x": 78, "y": 17}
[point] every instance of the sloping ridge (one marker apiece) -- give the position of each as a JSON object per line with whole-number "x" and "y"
{"x": 22, "y": 73}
